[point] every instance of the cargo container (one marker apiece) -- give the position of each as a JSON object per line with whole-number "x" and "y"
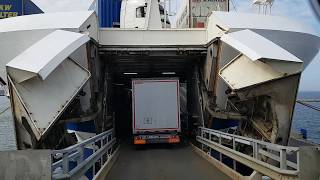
{"x": 12, "y": 8}
{"x": 156, "y": 111}
{"x": 9, "y": 8}
{"x": 30, "y": 7}
{"x": 109, "y": 13}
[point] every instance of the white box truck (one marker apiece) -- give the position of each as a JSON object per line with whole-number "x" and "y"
{"x": 156, "y": 111}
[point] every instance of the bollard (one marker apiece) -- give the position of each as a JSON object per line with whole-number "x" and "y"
{"x": 304, "y": 133}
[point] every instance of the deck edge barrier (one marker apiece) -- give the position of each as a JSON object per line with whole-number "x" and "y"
{"x": 105, "y": 169}
{"x": 220, "y": 166}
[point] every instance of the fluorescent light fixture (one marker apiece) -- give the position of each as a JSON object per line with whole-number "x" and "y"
{"x": 130, "y": 73}
{"x": 168, "y": 73}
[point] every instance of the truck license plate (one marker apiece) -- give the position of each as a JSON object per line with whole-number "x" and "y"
{"x": 152, "y": 137}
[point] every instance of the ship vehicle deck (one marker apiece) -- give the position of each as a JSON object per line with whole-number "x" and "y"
{"x": 162, "y": 162}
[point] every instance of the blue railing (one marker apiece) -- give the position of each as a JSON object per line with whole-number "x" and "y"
{"x": 71, "y": 162}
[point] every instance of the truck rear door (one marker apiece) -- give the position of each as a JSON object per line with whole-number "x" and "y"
{"x": 156, "y": 105}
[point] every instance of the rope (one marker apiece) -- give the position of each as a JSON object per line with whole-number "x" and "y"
{"x": 309, "y": 100}
{"x": 309, "y": 105}
{"x": 4, "y": 110}
{"x": 233, "y": 4}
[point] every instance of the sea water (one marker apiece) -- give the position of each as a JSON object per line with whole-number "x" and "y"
{"x": 306, "y": 118}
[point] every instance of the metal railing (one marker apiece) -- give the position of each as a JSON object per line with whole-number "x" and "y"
{"x": 102, "y": 146}
{"x": 269, "y": 159}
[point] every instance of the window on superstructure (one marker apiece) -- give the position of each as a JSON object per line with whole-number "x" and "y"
{"x": 141, "y": 12}
{"x": 161, "y": 9}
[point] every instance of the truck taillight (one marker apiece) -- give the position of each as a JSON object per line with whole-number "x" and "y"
{"x": 174, "y": 139}
{"x": 138, "y": 140}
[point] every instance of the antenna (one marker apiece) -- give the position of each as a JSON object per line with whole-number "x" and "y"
{"x": 233, "y": 5}
{"x": 264, "y": 6}
{"x": 167, "y": 11}
{"x": 170, "y": 6}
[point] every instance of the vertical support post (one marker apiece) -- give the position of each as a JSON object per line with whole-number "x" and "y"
{"x": 258, "y": 156}
{"x": 111, "y": 148}
{"x": 94, "y": 164}
{"x": 220, "y": 142}
{"x": 81, "y": 150}
{"x": 165, "y": 14}
{"x": 101, "y": 159}
{"x": 190, "y": 15}
{"x": 234, "y": 148}
{"x": 283, "y": 159}
{"x": 255, "y": 150}
{"x": 210, "y": 150}
{"x": 65, "y": 163}
{"x": 202, "y": 135}
{"x": 81, "y": 155}
{"x": 298, "y": 160}
{"x": 94, "y": 169}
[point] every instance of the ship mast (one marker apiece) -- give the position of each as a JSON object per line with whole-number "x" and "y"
{"x": 264, "y": 6}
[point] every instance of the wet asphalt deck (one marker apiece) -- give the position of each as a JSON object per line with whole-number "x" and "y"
{"x": 162, "y": 162}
